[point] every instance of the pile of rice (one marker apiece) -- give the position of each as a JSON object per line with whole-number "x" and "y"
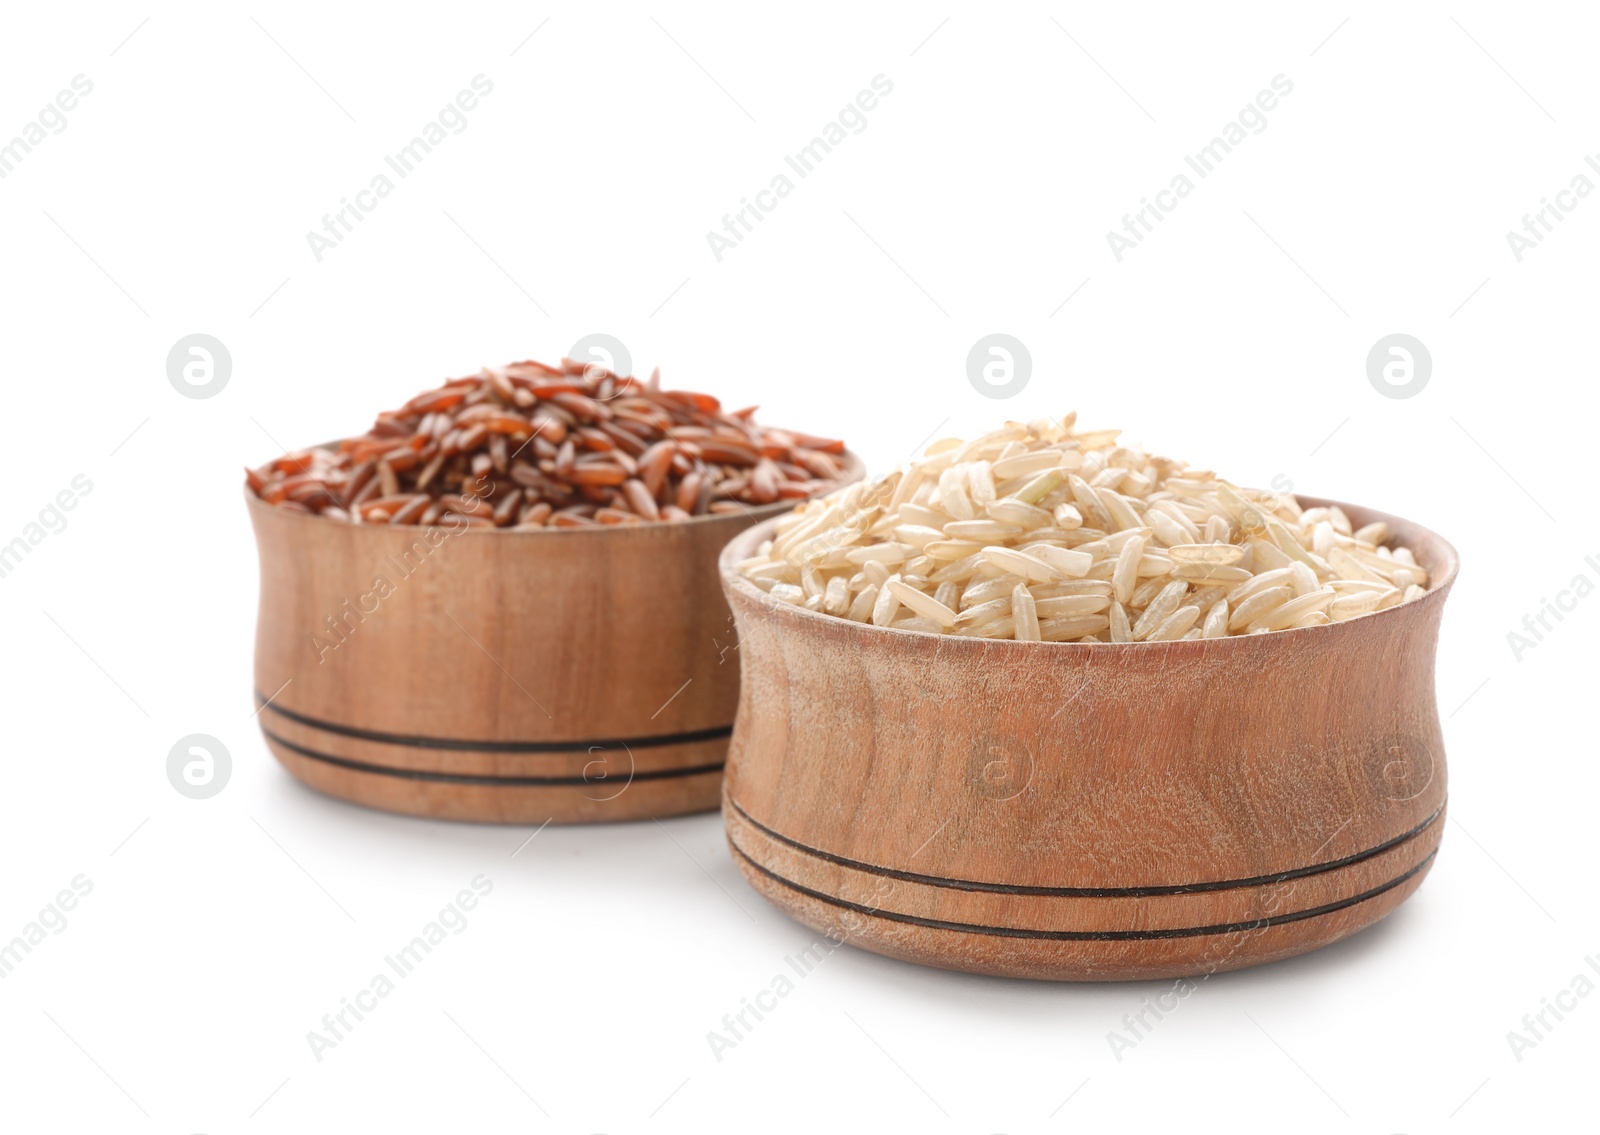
{"x": 528, "y": 445}
{"x": 1044, "y": 532}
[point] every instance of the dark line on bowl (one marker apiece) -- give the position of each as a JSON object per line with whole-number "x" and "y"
{"x": 1089, "y": 935}
{"x": 1088, "y": 892}
{"x": 490, "y": 781}
{"x": 453, "y": 745}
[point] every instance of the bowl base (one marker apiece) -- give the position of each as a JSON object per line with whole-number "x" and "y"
{"x": 1068, "y": 936}
{"x": 694, "y": 785}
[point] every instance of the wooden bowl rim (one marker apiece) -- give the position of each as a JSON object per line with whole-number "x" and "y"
{"x": 744, "y": 543}
{"x": 854, "y": 470}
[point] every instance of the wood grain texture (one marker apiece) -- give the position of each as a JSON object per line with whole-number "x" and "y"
{"x": 515, "y": 677}
{"x": 1087, "y": 811}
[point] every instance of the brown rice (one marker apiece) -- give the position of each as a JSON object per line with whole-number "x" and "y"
{"x": 1041, "y": 532}
{"x": 533, "y": 446}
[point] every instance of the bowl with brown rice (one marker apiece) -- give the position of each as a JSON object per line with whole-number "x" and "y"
{"x": 1042, "y": 704}
{"x": 501, "y": 602}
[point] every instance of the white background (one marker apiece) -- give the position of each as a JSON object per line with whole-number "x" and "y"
{"x": 578, "y": 199}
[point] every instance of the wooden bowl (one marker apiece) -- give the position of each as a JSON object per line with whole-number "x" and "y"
{"x": 1087, "y": 812}
{"x": 514, "y": 677}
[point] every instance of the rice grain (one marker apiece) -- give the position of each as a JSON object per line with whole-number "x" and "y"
{"x": 1043, "y": 532}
